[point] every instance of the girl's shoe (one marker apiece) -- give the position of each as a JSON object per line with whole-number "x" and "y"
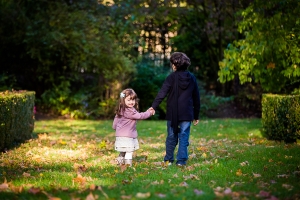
{"x": 120, "y": 160}
{"x": 128, "y": 162}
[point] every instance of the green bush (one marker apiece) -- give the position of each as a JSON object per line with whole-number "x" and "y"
{"x": 16, "y": 117}
{"x": 281, "y": 117}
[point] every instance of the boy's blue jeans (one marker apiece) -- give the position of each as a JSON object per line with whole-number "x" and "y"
{"x": 172, "y": 140}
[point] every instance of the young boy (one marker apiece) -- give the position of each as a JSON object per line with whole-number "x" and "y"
{"x": 183, "y": 107}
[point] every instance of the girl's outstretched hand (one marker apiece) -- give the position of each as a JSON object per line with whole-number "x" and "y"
{"x": 152, "y": 111}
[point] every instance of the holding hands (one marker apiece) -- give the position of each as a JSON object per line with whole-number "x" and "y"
{"x": 151, "y": 110}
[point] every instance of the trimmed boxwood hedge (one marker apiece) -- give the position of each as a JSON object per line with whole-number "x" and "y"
{"x": 281, "y": 117}
{"x": 16, "y": 117}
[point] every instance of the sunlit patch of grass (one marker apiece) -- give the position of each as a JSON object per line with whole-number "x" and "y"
{"x": 228, "y": 158}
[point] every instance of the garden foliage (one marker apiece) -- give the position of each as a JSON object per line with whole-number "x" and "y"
{"x": 269, "y": 54}
{"x": 16, "y": 117}
{"x": 281, "y": 117}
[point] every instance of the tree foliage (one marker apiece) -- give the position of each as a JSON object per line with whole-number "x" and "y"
{"x": 64, "y": 50}
{"x": 205, "y": 29}
{"x": 270, "y": 53}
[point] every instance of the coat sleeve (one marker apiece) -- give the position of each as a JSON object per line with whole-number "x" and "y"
{"x": 132, "y": 113}
{"x": 115, "y": 122}
{"x": 163, "y": 92}
{"x": 196, "y": 100}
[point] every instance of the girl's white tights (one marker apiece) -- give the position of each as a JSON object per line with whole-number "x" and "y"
{"x": 128, "y": 155}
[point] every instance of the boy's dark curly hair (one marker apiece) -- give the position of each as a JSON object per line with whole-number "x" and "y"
{"x": 180, "y": 60}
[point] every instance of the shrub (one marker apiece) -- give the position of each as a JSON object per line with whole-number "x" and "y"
{"x": 281, "y": 117}
{"x": 16, "y": 117}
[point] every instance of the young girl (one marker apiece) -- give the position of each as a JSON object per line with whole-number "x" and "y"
{"x": 125, "y": 125}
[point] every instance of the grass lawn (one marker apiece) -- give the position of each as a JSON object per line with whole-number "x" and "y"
{"x": 74, "y": 159}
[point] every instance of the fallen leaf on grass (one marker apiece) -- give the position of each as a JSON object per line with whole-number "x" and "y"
{"x": 126, "y": 197}
{"x": 244, "y": 163}
{"x": 34, "y": 190}
{"x": 54, "y": 198}
{"x": 282, "y": 176}
{"x": 62, "y": 142}
{"x": 191, "y": 176}
{"x": 52, "y": 142}
{"x": 157, "y": 163}
{"x": 125, "y": 182}
{"x": 51, "y": 197}
{"x": 160, "y": 195}
{"x": 155, "y": 183}
{"x": 26, "y": 174}
{"x": 183, "y": 184}
{"x": 239, "y": 172}
{"x": 198, "y": 192}
{"x": 90, "y": 197}
{"x": 79, "y": 168}
{"x": 264, "y": 194}
{"x": 202, "y": 148}
{"x": 4, "y": 186}
{"x": 287, "y": 186}
{"x": 256, "y": 175}
{"x": 80, "y": 179}
{"x": 204, "y": 155}
{"x": 227, "y": 191}
{"x": 93, "y": 187}
{"x": 143, "y": 195}
{"x": 193, "y": 155}
{"x": 123, "y": 167}
{"x": 15, "y": 189}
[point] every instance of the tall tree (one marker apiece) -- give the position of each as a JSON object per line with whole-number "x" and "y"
{"x": 64, "y": 50}
{"x": 270, "y": 52}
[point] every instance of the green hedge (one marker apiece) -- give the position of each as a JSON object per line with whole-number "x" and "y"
{"x": 281, "y": 117}
{"x": 16, "y": 117}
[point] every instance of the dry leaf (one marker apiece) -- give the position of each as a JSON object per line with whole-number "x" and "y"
{"x": 92, "y": 187}
{"x": 161, "y": 195}
{"x": 256, "y": 175}
{"x": 198, "y": 192}
{"x": 264, "y": 194}
{"x": 123, "y": 167}
{"x": 244, "y": 163}
{"x": 90, "y": 197}
{"x": 15, "y": 189}
{"x": 3, "y": 186}
{"x": 183, "y": 184}
{"x": 286, "y": 186}
{"x": 54, "y": 198}
{"x": 26, "y": 174}
{"x": 239, "y": 172}
{"x": 204, "y": 155}
{"x": 227, "y": 191}
{"x": 155, "y": 183}
{"x": 126, "y": 197}
{"x": 34, "y": 190}
{"x": 143, "y": 195}
{"x": 79, "y": 179}
{"x": 283, "y": 176}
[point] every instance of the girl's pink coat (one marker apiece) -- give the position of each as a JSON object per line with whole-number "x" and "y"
{"x": 125, "y": 125}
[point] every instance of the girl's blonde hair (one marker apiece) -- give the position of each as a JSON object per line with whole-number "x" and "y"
{"x": 125, "y": 93}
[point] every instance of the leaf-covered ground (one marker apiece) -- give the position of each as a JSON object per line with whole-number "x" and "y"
{"x": 74, "y": 159}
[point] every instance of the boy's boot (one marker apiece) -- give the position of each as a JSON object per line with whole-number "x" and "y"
{"x": 120, "y": 158}
{"x": 128, "y": 162}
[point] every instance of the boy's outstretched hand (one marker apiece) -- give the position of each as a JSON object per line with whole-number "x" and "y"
{"x": 152, "y": 111}
{"x": 195, "y": 122}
